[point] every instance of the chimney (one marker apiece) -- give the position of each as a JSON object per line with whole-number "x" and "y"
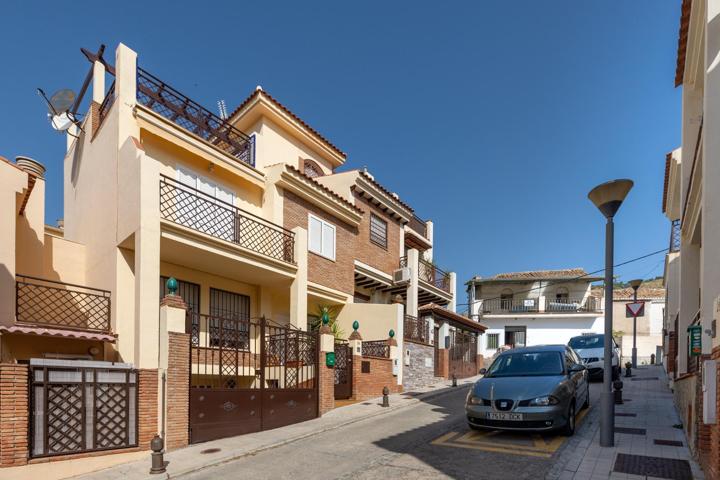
{"x": 35, "y": 170}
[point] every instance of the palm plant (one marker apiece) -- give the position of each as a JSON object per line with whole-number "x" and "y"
{"x": 332, "y": 312}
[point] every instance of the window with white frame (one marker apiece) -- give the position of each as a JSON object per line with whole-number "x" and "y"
{"x": 493, "y": 340}
{"x": 321, "y": 237}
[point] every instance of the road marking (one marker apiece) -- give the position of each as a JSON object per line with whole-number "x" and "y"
{"x": 532, "y": 445}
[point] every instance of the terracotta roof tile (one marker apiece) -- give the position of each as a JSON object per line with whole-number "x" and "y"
{"x": 542, "y": 274}
{"x": 372, "y": 180}
{"x": 260, "y": 91}
{"x": 57, "y": 332}
{"x": 682, "y": 41}
{"x": 315, "y": 183}
{"x": 668, "y": 159}
{"x": 644, "y": 293}
{"x": 436, "y": 309}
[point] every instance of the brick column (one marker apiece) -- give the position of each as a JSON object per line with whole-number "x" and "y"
{"x": 14, "y": 414}
{"x": 355, "y": 343}
{"x": 147, "y": 406}
{"x": 178, "y": 391}
{"x": 713, "y": 468}
{"x": 326, "y": 376}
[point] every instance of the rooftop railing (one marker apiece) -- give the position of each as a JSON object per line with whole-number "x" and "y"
{"x": 194, "y": 209}
{"x": 418, "y": 225}
{"x": 164, "y": 100}
{"x": 61, "y": 305}
{"x": 541, "y": 305}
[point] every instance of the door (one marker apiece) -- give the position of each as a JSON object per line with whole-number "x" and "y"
{"x": 516, "y": 336}
{"x": 343, "y": 371}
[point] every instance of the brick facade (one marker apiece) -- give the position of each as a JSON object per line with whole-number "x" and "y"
{"x": 147, "y": 407}
{"x": 384, "y": 259}
{"x": 442, "y": 369}
{"x": 178, "y": 391}
{"x": 370, "y": 385}
{"x": 326, "y": 395}
{"x": 338, "y": 274}
{"x": 672, "y": 354}
{"x": 14, "y": 411}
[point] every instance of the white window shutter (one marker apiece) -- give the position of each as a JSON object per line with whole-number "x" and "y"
{"x": 315, "y": 235}
{"x": 328, "y": 241}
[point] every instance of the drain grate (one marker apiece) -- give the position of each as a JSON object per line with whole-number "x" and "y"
{"x": 631, "y": 431}
{"x": 669, "y": 443}
{"x": 653, "y": 467}
{"x": 619, "y": 414}
{"x": 642, "y": 379}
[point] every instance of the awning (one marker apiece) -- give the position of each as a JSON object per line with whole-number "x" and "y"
{"x": 58, "y": 332}
{"x": 452, "y": 317}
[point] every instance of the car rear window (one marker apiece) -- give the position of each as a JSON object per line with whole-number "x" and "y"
{"x": 526, "y": 364}
{"x": 588, "y": 341}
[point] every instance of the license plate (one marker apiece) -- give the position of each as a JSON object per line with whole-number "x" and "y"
{"x": 504, "y": 416}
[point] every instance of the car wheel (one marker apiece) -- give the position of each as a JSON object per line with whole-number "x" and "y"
{"x": 587, "y": 398}
{"x": 569, "y": 428}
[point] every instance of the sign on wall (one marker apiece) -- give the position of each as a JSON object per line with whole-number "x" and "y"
{"x": 695, "y": 340}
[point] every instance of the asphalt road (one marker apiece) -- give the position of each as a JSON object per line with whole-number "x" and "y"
{"x": 398, "y": 445}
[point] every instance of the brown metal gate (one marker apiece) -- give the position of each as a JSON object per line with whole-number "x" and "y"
{"x": 249, "y": 375}
{"x": 463, "y": 353}
{"x": 78, "y": 408}
{"x": 343, "y": 370}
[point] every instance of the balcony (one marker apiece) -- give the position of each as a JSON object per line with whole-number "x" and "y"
{"x": 675, "y": 236}
{"x": 429, "y": 273}
{"x": 55, "y": 304}
{"x": 418, "y": 225}
{"x": 194, "y": 209}
{"x": 193, "y": 117}
{"x": 416, "y": 329}
{"x": 494, "y": 306}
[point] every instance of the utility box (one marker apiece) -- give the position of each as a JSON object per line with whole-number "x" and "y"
{"x": 709, "y": 391}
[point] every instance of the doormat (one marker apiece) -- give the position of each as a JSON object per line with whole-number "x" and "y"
{"x": 653, "y": 466}
{"x": 669, "y": 443}
{"x": 631, "y": 431}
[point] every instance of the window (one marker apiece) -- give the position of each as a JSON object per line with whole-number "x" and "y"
{"x": 311, "y": 169}
{"x": 378, "y": 231}
{"x": 493, "y": 340}
{"x": 515, "y": 336}
{"x": 229, "y": 319}
{"x": 321, "y": 237}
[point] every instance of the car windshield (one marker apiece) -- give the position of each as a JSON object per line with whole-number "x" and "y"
{"x": 588, "y": 341}
{"x": 525, "y": 364}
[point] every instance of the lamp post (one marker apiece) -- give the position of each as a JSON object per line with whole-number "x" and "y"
{"x": 635, "y": 284}
{"x": 608, "y": 197}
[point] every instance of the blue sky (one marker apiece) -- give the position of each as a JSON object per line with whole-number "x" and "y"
{"x": 494, "y": 119}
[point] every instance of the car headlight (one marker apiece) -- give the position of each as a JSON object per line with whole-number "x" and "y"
{"x": 471, "y": 400}
{"x": 543, "y": 401}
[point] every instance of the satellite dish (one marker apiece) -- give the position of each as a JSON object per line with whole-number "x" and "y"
{"x": 61, "y": 101}
{"x": 61, "y": 122}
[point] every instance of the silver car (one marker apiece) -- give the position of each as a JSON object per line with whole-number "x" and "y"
{"x": 530, "y": 388}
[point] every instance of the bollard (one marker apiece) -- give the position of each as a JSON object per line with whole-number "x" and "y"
{"x": 617, "y": 391}
{"x": 386, "y": 398}
{"x": 652, "y": 359}
{"x": 158, "y": 463}
{"x": 454, "y": 380}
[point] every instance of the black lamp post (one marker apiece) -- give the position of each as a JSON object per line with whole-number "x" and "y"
{"x": 608, "y": 197}
{"x": 635, "y": 284}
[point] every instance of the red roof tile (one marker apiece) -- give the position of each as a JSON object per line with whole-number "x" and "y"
{"x": 682, "y": 41}
{"x": 57, "y": 332}
{"x": 324, "y": 188}
{"x": 436, "y": 309}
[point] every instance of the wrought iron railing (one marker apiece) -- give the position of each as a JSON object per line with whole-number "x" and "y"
{"x": 58, "y": 304}
{"x": 106, "y": 104}
{"x": 511, "y": 305}
{"x": 418, "y": 225}
{"x": 376, "y": 348}
{"x": 430, "y": 273}
{"x": 194, "y": 209}
{"x": 416, "y": 329}
{"x": 193, "y": 117}
{"x": 588, "y": 304}
{"x": 675, "y": 236}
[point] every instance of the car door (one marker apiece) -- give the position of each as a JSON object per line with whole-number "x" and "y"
{"x": 577, "y": 376}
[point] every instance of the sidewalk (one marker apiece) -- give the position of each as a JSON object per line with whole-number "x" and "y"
{"x": 648, "y": 414}
{"x": 191, "y": 458}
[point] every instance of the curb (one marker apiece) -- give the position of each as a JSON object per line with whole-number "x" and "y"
{"x": 255, "y": 451}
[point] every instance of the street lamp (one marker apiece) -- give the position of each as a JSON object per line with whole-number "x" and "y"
{"x": 635, "y": 284}
{"x": 608, "y": 197}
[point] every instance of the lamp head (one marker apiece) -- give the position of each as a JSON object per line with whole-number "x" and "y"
{"x": 635, "y": 284}
{"x": 608, "y": 196}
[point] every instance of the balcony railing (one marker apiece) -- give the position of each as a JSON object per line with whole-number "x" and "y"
{"x": 62, "y": 305}
{"x": 194, "y": 209}
{"x": 376, "y": 348}
{"x": 430, "y": 273}
{"x": 589, "y": 304}
{"x": 416, "y": 329}
{"x": 418, "y": 225}
{"x": 193, "y": 117}
{"x": 675, "y": 236}
{"x": 511, "y": 305}
{"x": 106, "y": 104}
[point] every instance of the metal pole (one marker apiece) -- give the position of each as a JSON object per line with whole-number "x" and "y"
{"x": 607, "y": 399}
{"x": 634, "y": 349}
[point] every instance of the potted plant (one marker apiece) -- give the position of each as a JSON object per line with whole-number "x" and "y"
{"x": 628, "y": 369}
{"x": 332, "y": 313}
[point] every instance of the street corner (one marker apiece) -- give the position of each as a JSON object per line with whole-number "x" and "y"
{"x": 528, "y": 444}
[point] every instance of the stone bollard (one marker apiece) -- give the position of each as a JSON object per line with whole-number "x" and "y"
{"x": 617, "y": 391}
{"x": 386, "y": 398}
{"x": 156, "y": 457}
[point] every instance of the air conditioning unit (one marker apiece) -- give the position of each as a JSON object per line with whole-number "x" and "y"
{"x": 401, "y": 275}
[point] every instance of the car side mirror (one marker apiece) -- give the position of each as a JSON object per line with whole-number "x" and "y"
{"x": 577, "y": 368}
{"x": 483, "y": 371}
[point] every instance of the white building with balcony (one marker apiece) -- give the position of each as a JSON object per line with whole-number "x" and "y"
{"x": 534, "y": 308}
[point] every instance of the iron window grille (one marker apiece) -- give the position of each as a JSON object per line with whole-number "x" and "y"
{"x": 378, "y": 231}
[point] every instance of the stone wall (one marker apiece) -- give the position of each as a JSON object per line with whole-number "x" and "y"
{"x": 421, "y": 370}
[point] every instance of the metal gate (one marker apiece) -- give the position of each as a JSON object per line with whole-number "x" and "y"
{"x": 249, "y": 375}
{"x": 463, "y": 353}
{"x": 79, "y": 406}
{"x": 343, "y": 370}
